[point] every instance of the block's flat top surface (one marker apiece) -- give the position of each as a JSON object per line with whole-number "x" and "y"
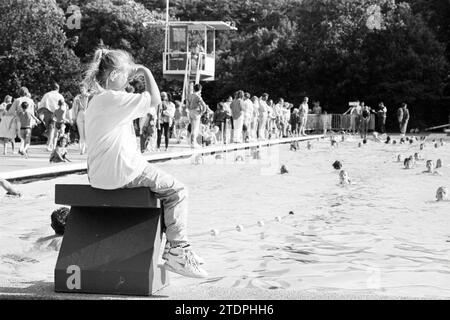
{"x": 85, "y": 196}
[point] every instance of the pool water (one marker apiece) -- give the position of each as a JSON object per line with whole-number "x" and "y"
{"x": 384, "y": 233}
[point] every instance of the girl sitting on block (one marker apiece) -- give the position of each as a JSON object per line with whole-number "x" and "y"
{"x": 114, "y": 159}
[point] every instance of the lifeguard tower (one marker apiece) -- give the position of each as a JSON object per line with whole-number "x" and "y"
{"x": 190, "y": 51}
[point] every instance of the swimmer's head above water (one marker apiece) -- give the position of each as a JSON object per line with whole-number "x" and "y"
{"x": 337, "y": 165}
{"x": 343, "y": 177}
{"x": 408, "y": 162}
{"x": 442, "y": 194}
{"x": 429, "y": 166}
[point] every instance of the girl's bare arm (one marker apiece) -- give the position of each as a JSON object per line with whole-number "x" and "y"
{"x": 150, "y": 85}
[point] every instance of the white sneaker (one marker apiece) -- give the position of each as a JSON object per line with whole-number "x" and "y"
{"x": 199, "y": 259}
{"x": 182, "y": 261}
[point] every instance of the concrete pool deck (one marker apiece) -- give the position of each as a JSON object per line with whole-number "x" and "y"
{"x": 14, "y": 167}
{"x": 45, "y": 291}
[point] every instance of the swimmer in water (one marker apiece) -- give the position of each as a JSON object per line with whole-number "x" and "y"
{"x": 442, "y": 194}
{"x": 337, "y": 165}
{"x": 421, "y": 146}
{"x": 344, "y": 178}
{"x": 10, "y": 190}
{"x": 409, "y": 162}
{"x": 430, "y": 167}
{"x": 417, "y": 157}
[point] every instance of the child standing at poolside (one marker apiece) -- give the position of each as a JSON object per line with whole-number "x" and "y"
{"x": 26, "y": 123}
{"x": 114, "y": 159}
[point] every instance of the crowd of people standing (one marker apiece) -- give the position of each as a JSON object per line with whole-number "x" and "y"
{"x": 54, "y": 117}
{"x": 237, "y": 119}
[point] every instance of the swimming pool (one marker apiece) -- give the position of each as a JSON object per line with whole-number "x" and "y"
{"x": 383, "y": 234}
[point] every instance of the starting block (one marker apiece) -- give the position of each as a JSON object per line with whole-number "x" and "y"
{"x": 111, "y": 242}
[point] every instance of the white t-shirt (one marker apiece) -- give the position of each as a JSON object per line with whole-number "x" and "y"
{"x": 114, "y": 158}
{"x": 17, "y": 105}
{"x": 50, "y": 101}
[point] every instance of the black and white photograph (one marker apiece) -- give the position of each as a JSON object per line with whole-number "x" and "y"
{"x": 228, "y": 151}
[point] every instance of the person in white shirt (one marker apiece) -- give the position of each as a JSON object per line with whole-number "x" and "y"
{"x": 278, "y": 112}
{"x": 263, "y": 116}
{"x": 353, "y": 111}
{"x": 248, "y": 117}
{"x": 24, "y": 96}
{"x": 237, "y": 111}
{"x": 114, "y": 158}
{"x": 197, "y": 107}
{"x": 165, "y": 114}
{"x": 5, "y": 104}
{"x": 51, "y": 98}
{"x": 303, "y": 112}
{"x": 80, "y": 103}
{"x": 286, "y": 116}
{"x": 255, "y": 116}
{"x": 50, "y": 102}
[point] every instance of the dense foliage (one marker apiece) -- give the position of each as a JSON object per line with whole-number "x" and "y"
{"x": 33, "y": 48}
{"x": 334, "y": 51}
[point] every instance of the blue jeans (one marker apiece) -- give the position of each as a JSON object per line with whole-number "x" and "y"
{"x": 173, "y": 195}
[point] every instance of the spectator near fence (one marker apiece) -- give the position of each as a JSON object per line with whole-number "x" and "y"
{"x": 354, "y": 111}
{"x": 263, "y": 116}
{"x": 303, "y": 113}
{"x": 248, "y": 117}
{"x": 381, "y": 115}
{"x": 403, "y": 118}
{"x": 220, "y": 120}
{"x": 255, "y": 120}
{"x": 237, "y": 110}
{"x": 365, "y": 121}
{"x": 196, "y": 107}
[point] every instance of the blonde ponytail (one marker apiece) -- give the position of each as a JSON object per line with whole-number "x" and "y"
{"x": 90, "y": 81}
{"x": 105, "y": 61}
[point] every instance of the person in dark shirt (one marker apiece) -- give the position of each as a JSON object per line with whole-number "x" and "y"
{"x": 295, "y": 121}
{"x": 220, "y": 117}
{"x": 382, "y": 111}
